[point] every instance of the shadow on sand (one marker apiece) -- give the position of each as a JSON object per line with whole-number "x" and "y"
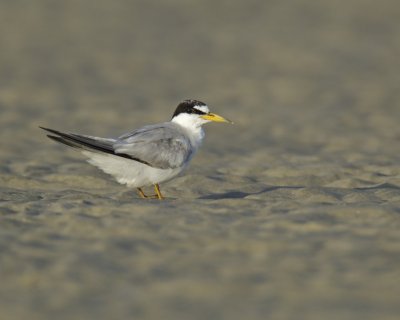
{"x": 242, "y": 195}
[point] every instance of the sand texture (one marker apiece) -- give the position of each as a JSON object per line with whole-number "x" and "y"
{"x": 293, "y": 212}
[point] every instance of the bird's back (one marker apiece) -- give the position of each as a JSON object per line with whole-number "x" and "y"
{"x": 163, "y": 146}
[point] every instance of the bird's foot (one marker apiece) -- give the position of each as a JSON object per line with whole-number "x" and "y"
{"x": 158, "y": 191}
{"x": 158, "y": 194}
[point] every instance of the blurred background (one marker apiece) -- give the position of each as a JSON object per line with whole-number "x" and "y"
{"x": 313, "y": 89}
{"x": 106, "y": 68}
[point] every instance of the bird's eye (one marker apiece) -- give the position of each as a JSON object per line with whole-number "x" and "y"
{"x": 197, "y": 111}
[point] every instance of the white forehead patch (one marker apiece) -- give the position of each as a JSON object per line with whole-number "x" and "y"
{"x": 202, "y": 108}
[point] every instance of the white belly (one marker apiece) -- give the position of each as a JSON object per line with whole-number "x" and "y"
{"x": 130, "y": 172}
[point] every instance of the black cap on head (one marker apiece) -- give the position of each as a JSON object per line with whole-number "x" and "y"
{"x": 187, "y": 106}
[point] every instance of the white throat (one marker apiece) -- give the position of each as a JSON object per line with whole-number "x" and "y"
{"x": 192, "y": 124}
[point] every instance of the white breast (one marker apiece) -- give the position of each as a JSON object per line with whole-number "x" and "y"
{"x": 130, "y": 172}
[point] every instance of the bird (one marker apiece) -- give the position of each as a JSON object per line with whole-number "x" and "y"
{"x": 149, "y": 155}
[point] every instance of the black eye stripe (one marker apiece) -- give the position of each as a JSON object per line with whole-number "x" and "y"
{"x": 197, "y": 111}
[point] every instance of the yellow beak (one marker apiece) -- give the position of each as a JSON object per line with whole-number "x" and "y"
{"x": 214, "y": 117}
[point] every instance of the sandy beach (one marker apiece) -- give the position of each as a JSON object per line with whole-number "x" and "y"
{"x": 293, "y": 212}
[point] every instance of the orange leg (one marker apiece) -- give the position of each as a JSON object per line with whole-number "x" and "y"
{"x": 158, "y": 194}
{"x": 141, "y": 193}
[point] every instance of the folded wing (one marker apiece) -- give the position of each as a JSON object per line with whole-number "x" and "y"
{"x": 163, "y": 146}
{"x": 159, "y": 146}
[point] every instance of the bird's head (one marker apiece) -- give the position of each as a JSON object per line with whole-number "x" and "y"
{"x": 195, "y": 113}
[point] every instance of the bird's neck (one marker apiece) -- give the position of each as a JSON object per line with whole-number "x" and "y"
{"x": 193, "y": 128}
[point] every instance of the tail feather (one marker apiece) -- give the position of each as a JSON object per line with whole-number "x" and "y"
{"x": 88, "y": 143}
{"x": 64, "y": 141}
{"x": 81, "y": 142}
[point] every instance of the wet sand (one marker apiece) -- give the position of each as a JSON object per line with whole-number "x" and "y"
{"x": 291, "y": 213}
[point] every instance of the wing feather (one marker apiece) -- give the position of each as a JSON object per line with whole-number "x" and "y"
{"x": 164, "y": 145}
{"x": 90, "y": 143}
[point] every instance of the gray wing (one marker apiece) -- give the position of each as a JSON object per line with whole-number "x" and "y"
{"x": 162, "y": 146}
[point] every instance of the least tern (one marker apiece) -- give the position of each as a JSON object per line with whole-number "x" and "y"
{"x": 149, "y": 155}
